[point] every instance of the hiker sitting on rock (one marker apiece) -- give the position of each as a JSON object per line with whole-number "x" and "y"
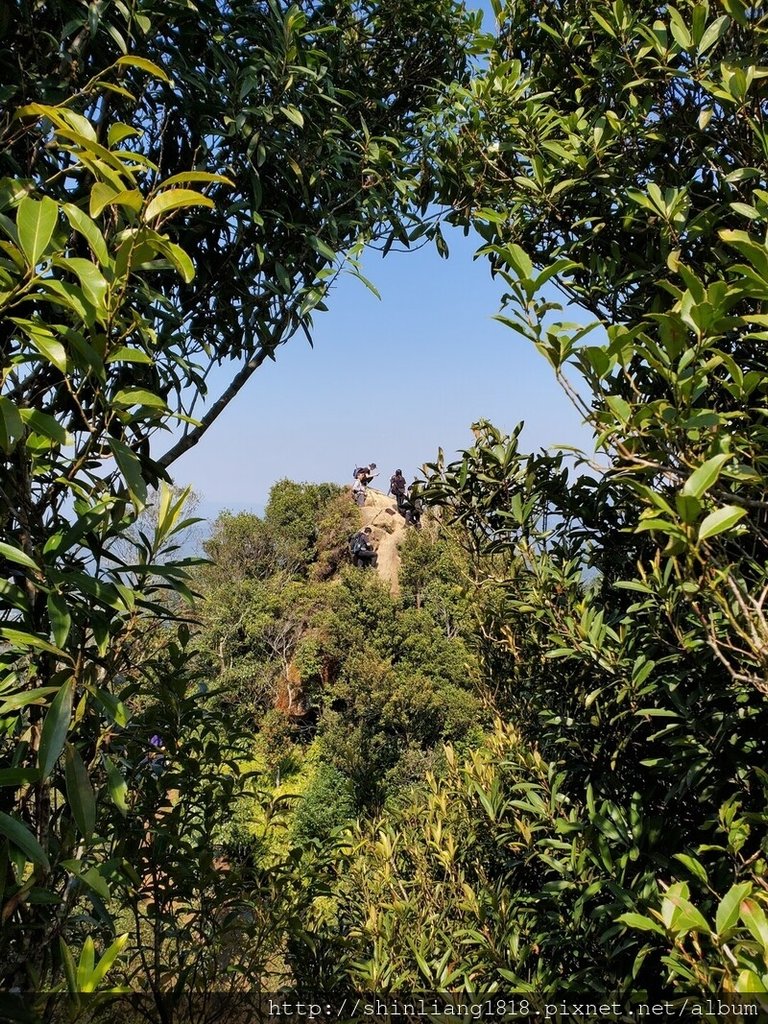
{"x": 399, "y": 488}
{"x": 362, "y": 550}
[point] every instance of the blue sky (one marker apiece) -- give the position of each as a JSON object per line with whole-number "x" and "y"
{"x": 387, "y": 381}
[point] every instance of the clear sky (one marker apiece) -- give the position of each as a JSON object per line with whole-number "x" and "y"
{"x": 388, "y": 381}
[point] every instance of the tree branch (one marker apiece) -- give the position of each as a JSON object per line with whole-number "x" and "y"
{"x": 190, "y": 440}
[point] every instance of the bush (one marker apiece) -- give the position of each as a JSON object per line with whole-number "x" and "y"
{"x": 327, "y": 804}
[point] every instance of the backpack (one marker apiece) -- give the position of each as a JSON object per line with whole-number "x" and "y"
{"x": 356, "y": 545}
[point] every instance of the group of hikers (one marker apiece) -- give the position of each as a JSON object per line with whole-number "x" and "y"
{"x": 408, "y": 505}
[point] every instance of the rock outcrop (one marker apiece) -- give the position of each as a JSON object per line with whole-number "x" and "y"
{"x": 388, "y": 527}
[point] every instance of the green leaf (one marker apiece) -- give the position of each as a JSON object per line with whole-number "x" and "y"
{"x": 293, "y": 114}
{"x": 107, "y": 960}
{"x": 174, "y": 199}
{"x": 754, "y": 918}
{"x": 68, "y": 963}
{"x": 145, "y": 65}
{"x": 21, "y": 638}
{"x": 620, "y": 408}
{"x": 714, "y": 33}
{"x": 11, "y": 425}
{"x": 693, "y": 865}
{"x": 322, "y": 247}
{"x": 177, "y": 257}
{"x": 686, "y": 917}
{"x": 118, "y": 787}
{"x": 96, "y": 881}
{"x": 85, "y": 966}
{"x": 747, "y": 246}
{"x": 679, "y": 29}
{"x": 78, "y": 123}
{"x": 79, "y": 792}
{"x": 20, "y": 700}
{"x": 688, "y": 507}
{"x": 699, "y": 482}
{"x": 644, "y": 924}
{"x": 45, "y": 343}
{"x": 187, "y": 177}
{"x": 59, "y": 617}
{"x": 18, "y": 776}
{"x": 82, "y": 223}
{"x": 35, "y": 222}
{"x": 749, "y": 982}
{"x": 130, "y": 467}
{"x": 92, "y": 282}
{"x": 130, "y": 198}
{"x": 55, "y": 729}
{"x": 119, "y": 131}
{"x": 42, "y": 423}
{"x": 728, "y": 909}
{"x": 720, "y": 520}
{"x": 23, "y": 840}
{"x": 125, "y": 354}
{"x": 136, "y": 396}
{"x": 518, "y": 260}
{"x": 101, "y": 195}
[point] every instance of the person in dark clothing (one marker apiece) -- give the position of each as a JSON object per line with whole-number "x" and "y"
{"x": 362, "y": 551}
{"x": 399, "y": 488}
{"x": 366, "y": 473}
{"x": 412, "y": 507}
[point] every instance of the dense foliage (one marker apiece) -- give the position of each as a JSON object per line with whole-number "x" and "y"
{"x": 180, "y": 183}
{"x": 343, "y": 680}
{"x": 613, "y": 837}
{"x": 308, "y": 109}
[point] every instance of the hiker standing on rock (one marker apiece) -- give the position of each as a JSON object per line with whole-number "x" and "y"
{"x": 358, "y": 493}
{"x": 363, "y": 476}
{"x": 399, "y": 488}
{"x": 366, "y": 473}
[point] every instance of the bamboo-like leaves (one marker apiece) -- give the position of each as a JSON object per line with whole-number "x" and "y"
{"x": 118, "y": 787}
{"x": 80, "y": 792}
{"x": 55, "y": 728}
{"x": 23, "y": 839}
{"x": 59, "y": 616}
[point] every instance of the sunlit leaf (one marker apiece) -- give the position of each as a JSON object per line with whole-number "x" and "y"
{"x": 175, "y": 199}
{"x": 35, "y": 222}
{"x": 23, "y": 839}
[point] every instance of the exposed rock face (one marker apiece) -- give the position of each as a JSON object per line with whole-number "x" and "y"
{"x": 290, "y": 696}
{"x": 388, "y": 526}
